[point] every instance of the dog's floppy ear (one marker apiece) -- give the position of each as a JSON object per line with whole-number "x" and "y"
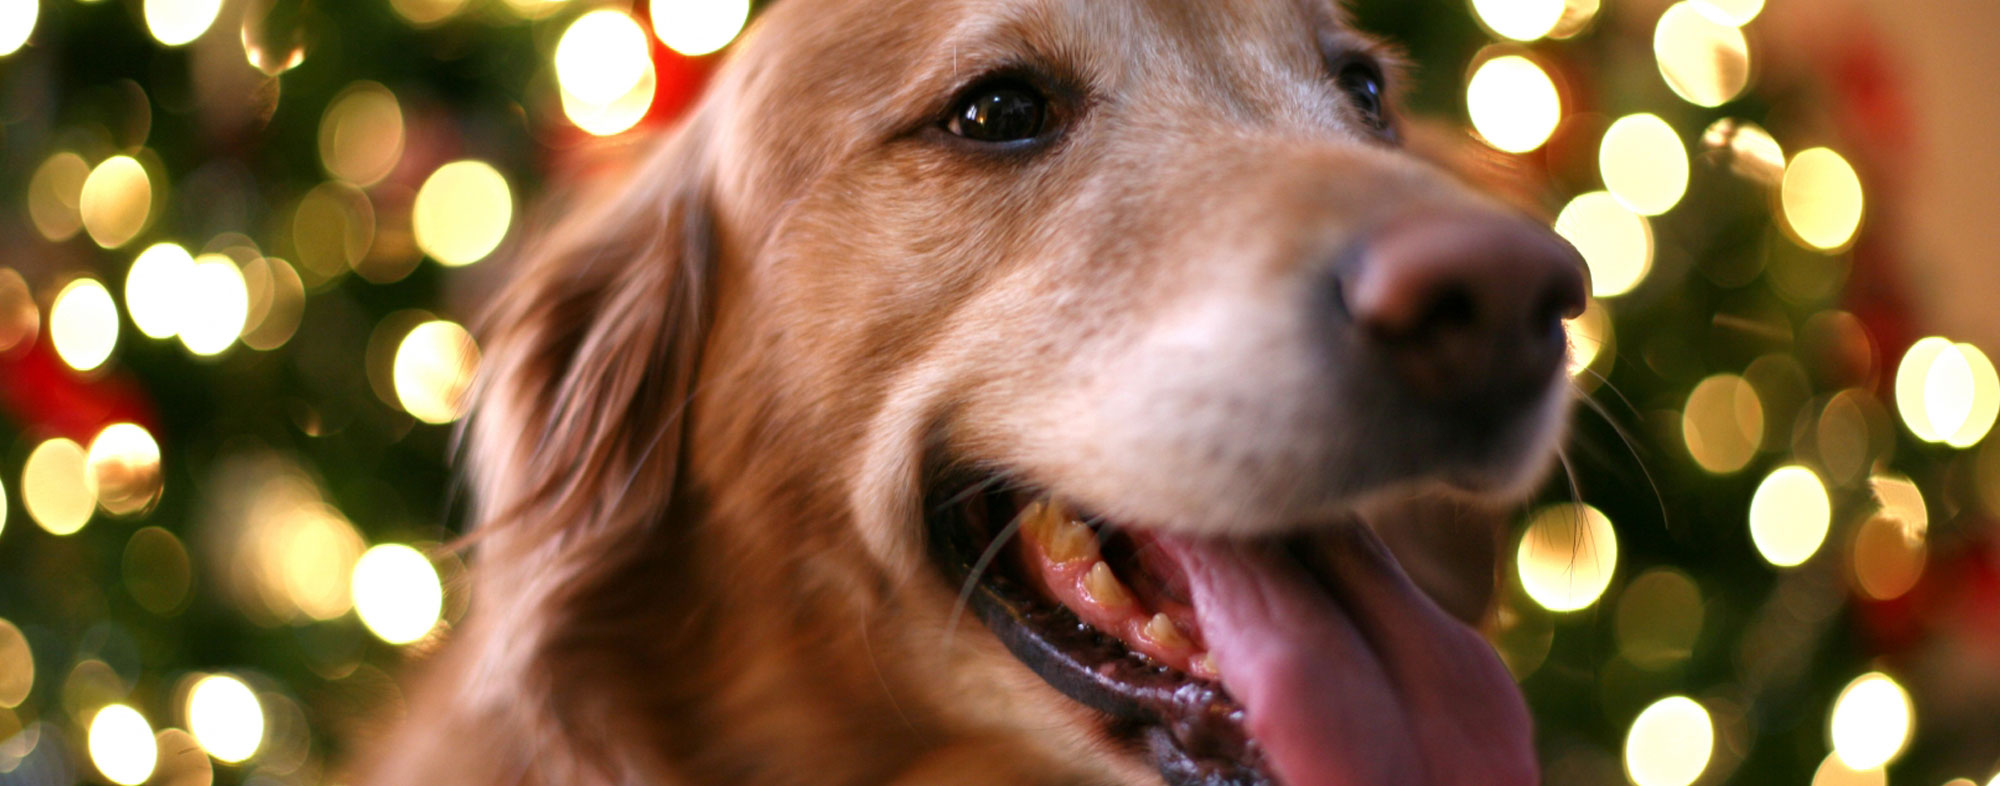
{"x": 575, "y": 438}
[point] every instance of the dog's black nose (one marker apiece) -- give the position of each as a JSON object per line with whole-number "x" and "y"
{"x": 1463, "y": 307}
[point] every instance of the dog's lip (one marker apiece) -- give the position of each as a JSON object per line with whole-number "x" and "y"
{"x": 1192, "y": 729}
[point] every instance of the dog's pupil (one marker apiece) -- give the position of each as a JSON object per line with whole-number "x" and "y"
{"x": 1002, "y": 115}
{"x": 1365, "y": 86}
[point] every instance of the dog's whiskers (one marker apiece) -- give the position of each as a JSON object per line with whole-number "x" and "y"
{"x": 972, "y": 578}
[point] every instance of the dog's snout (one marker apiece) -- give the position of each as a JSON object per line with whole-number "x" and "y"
{"x": 1462, "y": 307}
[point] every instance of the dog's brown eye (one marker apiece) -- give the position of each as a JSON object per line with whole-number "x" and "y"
{"x": 999, "y": 113}
{"x": 1363, "y": 84}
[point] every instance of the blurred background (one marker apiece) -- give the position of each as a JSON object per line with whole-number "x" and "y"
{"x": 239, "y": 240}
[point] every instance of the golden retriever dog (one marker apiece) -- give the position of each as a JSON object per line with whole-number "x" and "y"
{"x": 1005, "y": 392}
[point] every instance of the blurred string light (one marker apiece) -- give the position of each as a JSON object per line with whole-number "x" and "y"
{"x": 1746, "y": 148}
{"x": 272, "y": 37}
{"x": 1644, "y": 163}
{"x": 1889, "y": 548}
{"x": 1577, "y": 15}
{"x": 1833, "y": 772}
{"x": 17, "y": 666}
{"x": 1513, "y": 103}
{"x": 277, "y": 303}
{"x": 54, "y": 489}
{"x": 1521, "y": 20}
{"x": 20, "y": 319}
{"x": 1669, "y": 743}
{"x": 83, "y": 324}
{"x": 397, "y": 593}
{"x": 156, "y": 569}
{"x": 333, "y": 229}
{"x": 216, "y": 306}
{"x": 534, "y": 9}
{"x": 433, "y": 370}
{"x": 462, "y": 212}
{"x": 1567, "y": 556}
{"x": 17, "y": 23}
{"x": 122, "y": 745}
{"x": 424, "y": 13}
{"x": 361, "y": 134}
{"x": 1705, "y": 62}
{"x": 177, "y": 22}
{"x": 1723, "y": 423}
{"x": 122, "y": 469}
{"x": 604, "y": 71}
{"x": 224, "y": 716}
{"x": 3, "y": 507}
{"x": 156, "y": 289}
{"x": 1658, "y": 619}
{"x": 1590, "y": 338}
{"x": 182, "y": 761}
{"x": 698, "y": 27}
{"x": 1821, "y": 199}
{"x": 1735, "y": 13}
{"x": 1616, "y": 243}
{"x": 1870, "y": 723}
{"x": 54, "y": 194}
{"x": 1789, "y": 516}
{"x": 1947, "y": 393}
{"x": 116, "y": 200}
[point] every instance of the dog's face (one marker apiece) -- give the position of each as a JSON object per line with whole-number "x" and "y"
{"x": 1110, "y": 320}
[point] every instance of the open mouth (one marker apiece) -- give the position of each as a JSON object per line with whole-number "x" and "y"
{"x": 1224, "y": 662}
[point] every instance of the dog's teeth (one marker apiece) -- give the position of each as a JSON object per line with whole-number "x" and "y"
{"x": 1165, "y": 633}
{"x": 1062, "y": 537}
{"x": 1203, "y": 665}
{"x": 1104, "y": 589}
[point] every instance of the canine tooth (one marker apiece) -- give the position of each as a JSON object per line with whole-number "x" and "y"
{"x": 1207, "y": 664}
{"x": 1105, "y": 588}
{"x": 1164, "y": 632}
{"x": 1035, "y": 521}
{"x": 1069, "y": 540}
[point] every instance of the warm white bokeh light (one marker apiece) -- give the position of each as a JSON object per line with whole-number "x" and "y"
{"x": 176, "y": 22}
{"x": 1947, "y": 392}
{"x": 1644, "y": 163}
{"x": 1513, "y": 103}
{"x": 1789, "y": 516}
{"x": 1669, "y": 743}
{"x": 122, "y": 745}
{"x": 423, "y": 13}
{"x": 604, "y": 71}
{"x": 54, "y": 194}
{"x": 116, "y": 201}
{"x": 698, "y": 27}
{"x": 54, "y": 487}
{"x": 17, "y": 23}
{"x": 225, "y": 717}
{"x": 1821, "y": 199}
{"x": 1833, "y": 772}
{"x": 122, "y": 469}
{"x": 1723, "y": 423}
{"x": 83, "y": 324}
{"x": 1567, "y": 556}
{"x": 361, "y": 134}
{"x": 1705, "y": 62}
{"x": 1870, "y": 724}
{"x": 1616, "y": 243}
{"x": 1591, "y": 337}
{"x": 156, "y": 289}
{"x": 397, "y": 593}
{"x": 1890, "y": 546}
{"x": 218, "y": 302}
{"x": 462, "y": 212}
{"x": 433, "y": 370}
{"x": 1735, "y": 13}
{"x": 1521, "y": 20}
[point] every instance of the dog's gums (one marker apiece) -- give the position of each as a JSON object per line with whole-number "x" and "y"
{"x": 1278, "y": 660}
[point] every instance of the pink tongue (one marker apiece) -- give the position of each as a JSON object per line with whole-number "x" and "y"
{"x": 1363, "y": 682}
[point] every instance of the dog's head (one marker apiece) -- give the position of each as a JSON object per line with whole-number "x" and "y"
{"x": 1116, "y": 325}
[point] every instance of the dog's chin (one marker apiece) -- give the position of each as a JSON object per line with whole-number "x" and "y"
{"x": 1130, "y": 620}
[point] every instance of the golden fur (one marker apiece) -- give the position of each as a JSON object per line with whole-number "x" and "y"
{"x": 698, "y": 449}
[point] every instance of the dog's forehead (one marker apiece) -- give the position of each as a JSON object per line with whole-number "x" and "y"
{"x": 887, "y": 62}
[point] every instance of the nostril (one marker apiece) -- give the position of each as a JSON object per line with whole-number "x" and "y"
{"x": 1452, "y": 307}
